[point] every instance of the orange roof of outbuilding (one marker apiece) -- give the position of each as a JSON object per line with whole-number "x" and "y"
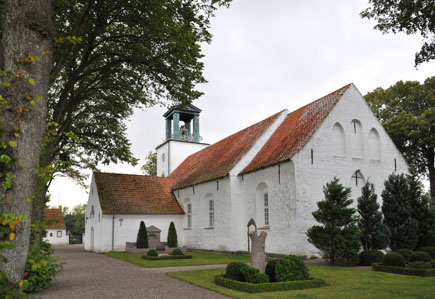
{"x": 54, "y": 216}
{"x": 294, "y": 132}
{"x": 217, "y": 160}
{"x": 135, "y": 194}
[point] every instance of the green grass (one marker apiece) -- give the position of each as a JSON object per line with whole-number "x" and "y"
{"x": 198, "y": 258}
{"x": 344, "y": 283}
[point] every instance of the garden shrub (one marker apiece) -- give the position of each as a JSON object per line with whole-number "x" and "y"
{"x": 420, "y": 265}
{"x": 403, "y": 270}
{"x": 420, "y": 256}
{"x": 41, "y": 268}
{"x": 370, "y": 257}
{"x": 430, "y": 250}
{"x": 406, "y": 253}
{"x": 233, "y": 271}
{"x": 433, "y": 263}
{"x": 152, "y": 252}
{"x": 166, "y": 257}
{"x": 172, "y": 235}
{"x": 291, "y": 268}
{"x": 270, "y": 270}
{"x": 142, "y": 236}
{"x": 394, "y": 259}
{"x": 253, "y": 275}
{"x": 177, "y": 251}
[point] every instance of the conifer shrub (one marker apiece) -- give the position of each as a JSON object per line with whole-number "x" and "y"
{"x": 177, "y": 251}
{"x": 172, "y": 235}
{"x": 270, "y": 270}
{"x": 406, "y": 253}
{"x": 420, "y": 256}
{"x": 152, "y": 252}
{"x": 430, "y": 250}
{"x": 233, "y": 271}
{"x": 420, "y": 265}
{"x": 433, "y": 263}
{"x": 142, "y": 236}
{"x": 253, "y": 275}
{"x": 394, "y": 259}
{"x": 370, "y": 257}
{"x": 338, "y": 236}
{"x": 291, "y": 268}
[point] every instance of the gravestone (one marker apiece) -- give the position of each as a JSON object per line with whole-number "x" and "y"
{"x": 258, "y": 252}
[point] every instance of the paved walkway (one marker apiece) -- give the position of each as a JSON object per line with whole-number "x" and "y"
{"x": 91, "y": 275}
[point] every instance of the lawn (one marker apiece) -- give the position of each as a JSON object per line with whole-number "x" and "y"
{"x": 199, "y": 258}
{"x": 344, "y": 283}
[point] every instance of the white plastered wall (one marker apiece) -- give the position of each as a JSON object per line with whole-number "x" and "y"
{"x": 311, "y": 177}
{"x": 53, "y": 239}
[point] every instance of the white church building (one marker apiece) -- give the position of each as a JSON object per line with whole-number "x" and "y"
{"x": 273, "y": 171}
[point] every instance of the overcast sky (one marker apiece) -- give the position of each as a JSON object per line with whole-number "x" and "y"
{"x": 267, "y": 56}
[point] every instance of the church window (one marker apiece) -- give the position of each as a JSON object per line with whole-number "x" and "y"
{"x": 357, "y": 140}
{"x": 92, "y": 215}
{"x": 189, "y": 215}
{"x": 211, "y": 213}
{"x": 374, "y": 145}
{"x": 266, "y": 209}
{"x": 338, "y": 140}
{"x": 99, "y": 216}
{"x": 163, "y": 157}
{"x": 59, "y": 234}
{"x": 395, "y": 164}
{"x": 51, "y": 234}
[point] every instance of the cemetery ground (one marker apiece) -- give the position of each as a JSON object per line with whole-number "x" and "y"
{"x": 344, "y": 282}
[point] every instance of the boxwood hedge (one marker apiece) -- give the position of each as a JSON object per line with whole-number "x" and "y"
{"x": 166, "y": 257}
{"x": 270, "y": 286}
{"x": 403, "y": 270}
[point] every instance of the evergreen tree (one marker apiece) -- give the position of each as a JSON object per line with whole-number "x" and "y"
{"x": 374, "y": 233}
{"x": 142, "y": 236}
{"x": 172, "y": 236}
{"x": 398, "y": 209}
{"x": 338, "y": 236}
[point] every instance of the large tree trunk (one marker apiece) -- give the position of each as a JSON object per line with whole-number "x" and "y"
{"x": 431, "y": 167}
{"x": 27, "y": 31}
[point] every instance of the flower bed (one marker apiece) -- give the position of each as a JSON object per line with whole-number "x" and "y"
{"x": 403, "y": 270}
{"x": 270, "y": 286}
{"x": 166, "y": 257}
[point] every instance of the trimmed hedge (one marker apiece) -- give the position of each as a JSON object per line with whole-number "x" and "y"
{"x": 420, "y": 256}
{"x": 166, "y": 257}
{"x": 406, "y": 253}
{"x": 152, "y": 252}
{"x": 367, "y": 258}
{"x": 430, "y": 250}
{"x": 270, "y": 286}
{"x": 253, "y": 275}
{"x": 403, "y": 270}
{"x": 291, "y": 268}
{"x": 177, "y": 251}
{"x": 233, "y": 271}
{"x": 394, "y": 259}
{"x": 270, "y": 270}
{"x": 419, "y": 265}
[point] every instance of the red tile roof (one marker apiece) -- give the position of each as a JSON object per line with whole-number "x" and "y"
{"x": 294, "y": 132}
{"x": 135, "y": 194}
{"x": 56, "y": 217}
{"x": 217, "y": 160}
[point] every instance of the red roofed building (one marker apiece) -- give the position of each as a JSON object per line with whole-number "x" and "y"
{"x": 273, "y": 172}
{"x": 55, "y": 233}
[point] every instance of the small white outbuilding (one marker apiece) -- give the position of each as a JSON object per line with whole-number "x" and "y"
{"x": 55, "y": 233}
{"x": 273, "y": 171}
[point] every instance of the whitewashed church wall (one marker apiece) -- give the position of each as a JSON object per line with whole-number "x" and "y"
{"x": 93, "y": 221}
{"x": 126, "y": 228}
{"x": 56, "y": 237}
{"x": 162, "y": 160}
{"x": 201, "y": 235}
{"x": 313, "y": 173}
{"x": 248, "y": 202}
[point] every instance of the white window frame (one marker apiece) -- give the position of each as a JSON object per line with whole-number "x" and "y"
{"x": 59, "y": 234}
{"x": 211, "y": 213}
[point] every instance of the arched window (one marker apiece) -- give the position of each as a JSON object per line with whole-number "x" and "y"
{"x": 374, "y": 145}
{"x": 262, "y": 205}
{"x": 337, "y": 139}
{"x": 92, "y": 214}
{"x": 188, "y": 205}
{"x": 211, "y": 213}
{"x": 357, "y": 142}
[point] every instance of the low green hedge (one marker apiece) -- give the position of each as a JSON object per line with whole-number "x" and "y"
{"x": 166, "y": 257}
{"x": 270, "y": 286}
{"x": 403, "y": 270}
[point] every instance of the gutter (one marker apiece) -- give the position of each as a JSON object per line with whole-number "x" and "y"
{"x": 113, "y": 233}
{"x": 169, "y": 160}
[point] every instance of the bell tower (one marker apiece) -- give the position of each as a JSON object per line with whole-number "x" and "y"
{"x": 181, "y": 138}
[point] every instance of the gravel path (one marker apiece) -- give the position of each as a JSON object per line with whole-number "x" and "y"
{"x": 91, "y": 275}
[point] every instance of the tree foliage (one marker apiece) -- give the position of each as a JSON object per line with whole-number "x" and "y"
{"x": 338, "y": 236}
{"x": 407, "y": 111}
{"x": 172, "y": 235}
{"x": 150, "y": 166}
{"x": 374, "y": 233}
{"x": 142, "y": 236}
{"x": 75, "y": 222}
{"x": 409, "y": 17}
